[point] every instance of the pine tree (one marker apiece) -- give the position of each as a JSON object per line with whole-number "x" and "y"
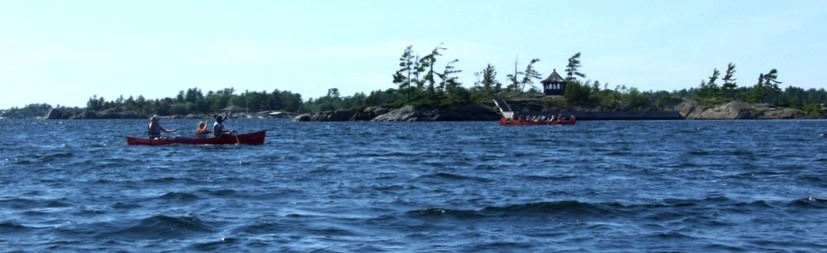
{"x": 729, "y": 86}
{"x": 530, "y": 74}
{"x": 574, "y": 64}
{"x": 711, "y": 90}
{"x": 402, "y": 77}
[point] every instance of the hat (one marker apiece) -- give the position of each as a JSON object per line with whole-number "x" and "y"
{"x": 154, "y": 117}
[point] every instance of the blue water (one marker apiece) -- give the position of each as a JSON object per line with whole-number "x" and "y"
{"x": 600, "y": 186}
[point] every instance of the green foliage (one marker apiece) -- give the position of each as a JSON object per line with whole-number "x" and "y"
{"x": 766, "y": 90}
{"x": 28, "y": 111}
{"x": 419, "y": 83}
{"x": 729, "y": 86}
{"x": 711, "y": 89}
{"x": 382, "y": 98}
{"x": 635, "y": 99}
{"x": 333, "y": 101}
{"x": 403, "y": 76}
{"x": 487, "y": 87}
{"x": 571, "y": 68}
{"x": 813, "y": 111}
{"x": 193, "y": 101}
{"x": 577, "y": 93}
{"x": 529, "y": 75}
{"x": 432, "y": 88}
{"x": 517, "y": 84}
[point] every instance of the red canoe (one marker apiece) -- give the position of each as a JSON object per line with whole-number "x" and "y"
{"x": 522, "y": 122}
{"x": 254, "y": 138}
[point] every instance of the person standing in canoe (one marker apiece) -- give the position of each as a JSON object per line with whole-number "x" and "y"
{"x": 218, "y": 128}
{"x": 155, "y": 128}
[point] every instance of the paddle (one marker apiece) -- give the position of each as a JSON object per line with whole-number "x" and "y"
{"x": 226, "y": 117}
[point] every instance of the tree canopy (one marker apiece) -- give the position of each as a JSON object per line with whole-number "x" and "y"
{"x": 430, "y": 81}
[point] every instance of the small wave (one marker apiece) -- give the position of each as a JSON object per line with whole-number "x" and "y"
{"x": 501, "y": 246}
{"x": 573, "y": 208}
{"x": 35, "y": 213}
{"x": 557, "y": 207}
{"x": 216, "y": 245}
{"x": 221, "y": 192}
{"x": 162, "y": 227}
{"x": 668, "y": 209}
{"x": 813, "y": 179}
{"x": 10, "y": 227}
{"x": 439, "y": 212}
{"x": 122, "y": 205}
{"x": 810, "y": 203}
{"x": 554, "y": 178}
{"x": 699, "y": 152}
{"x": 23, "y": 203}
{"x": 180, "y": 196}
{"x": 455, "y": 177}
{"x": 333, "y": 231}
{"x": 55, "y": 156}
{"x": 759, "y": 174}
{"x": 21, "y": 161}
{"x": 259, "y": 228}
{"x": 671, "y": 235}
{"x": 162, "y": 180}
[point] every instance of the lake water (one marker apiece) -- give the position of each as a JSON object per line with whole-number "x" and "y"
{"x": 600, "y": 186}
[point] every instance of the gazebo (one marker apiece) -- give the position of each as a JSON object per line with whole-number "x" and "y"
{"x": 554, "y": 84}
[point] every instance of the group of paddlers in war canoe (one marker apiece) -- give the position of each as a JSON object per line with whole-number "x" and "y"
{"x": 539, "y": 119}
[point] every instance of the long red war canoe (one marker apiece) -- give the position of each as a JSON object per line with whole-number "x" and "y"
{"x": 523, "y": 122}
{"x": 254, "y": 138}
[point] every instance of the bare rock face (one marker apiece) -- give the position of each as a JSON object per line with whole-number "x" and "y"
{"x": 406, "y": 113}
{"x": 302, "y": 117}
{"x": 464, "y": 112}
{"x": 369, "y": 113}
{"x": 738, "y": 110}
{"x": 326, "y": 116}
{"x": 774, "y": 112}
{"x": 731, "y": 110}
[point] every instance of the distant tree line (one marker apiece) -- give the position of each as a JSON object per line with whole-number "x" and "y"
{"x": 427, "y": 82}
{"x": 28, "y": 111}
{"x": 194, "y": 101}
{"x": 766, "y": 89}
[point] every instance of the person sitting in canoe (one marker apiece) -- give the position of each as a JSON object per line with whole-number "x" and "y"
{"x": 218, "y": 128}
{"x": 155, "y": 128}
{"x": 202, "y": 131}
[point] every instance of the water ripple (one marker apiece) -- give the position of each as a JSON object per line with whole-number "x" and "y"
{"x": 598, "y": 186}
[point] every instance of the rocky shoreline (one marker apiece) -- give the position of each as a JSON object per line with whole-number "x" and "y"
{"x": 688, "y": 109}
{"x": 738, "y": 110}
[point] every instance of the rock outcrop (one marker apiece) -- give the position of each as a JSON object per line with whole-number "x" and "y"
{"x": 406, "y": 113}
{"x": 466, "y": 112}
{"x": 691, "y": 109}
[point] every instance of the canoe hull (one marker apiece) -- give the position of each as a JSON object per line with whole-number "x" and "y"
{"x": 254, "y": 138}
{"x": 519, "y": 122}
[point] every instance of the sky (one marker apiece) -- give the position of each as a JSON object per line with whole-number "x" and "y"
{"x": 64, "y": 52}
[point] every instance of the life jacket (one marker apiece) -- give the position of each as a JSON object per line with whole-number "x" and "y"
{"x": 153, "y": 129}
{"x": 218, "y": 129}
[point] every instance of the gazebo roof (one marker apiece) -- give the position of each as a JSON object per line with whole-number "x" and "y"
{"x": 554, "y": 78}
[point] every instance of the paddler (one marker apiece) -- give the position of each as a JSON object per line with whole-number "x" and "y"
{"x": 155, "y": 128}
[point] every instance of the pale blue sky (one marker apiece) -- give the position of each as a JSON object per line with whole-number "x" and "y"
{"x": 63, "y": 52}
